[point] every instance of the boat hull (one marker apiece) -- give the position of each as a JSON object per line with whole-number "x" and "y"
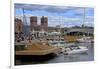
{"x": 77, "y": 51}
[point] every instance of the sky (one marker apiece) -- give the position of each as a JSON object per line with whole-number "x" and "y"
{"x": 57, "y": 15}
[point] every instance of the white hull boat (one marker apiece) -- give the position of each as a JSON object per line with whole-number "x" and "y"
{"x": 78, "y": 51}
{"x": 75, "y": 50}
{"x": 85, "y": 40}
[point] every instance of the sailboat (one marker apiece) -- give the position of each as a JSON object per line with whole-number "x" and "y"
{"x": 33, "y": 49}
{"x": 85, "y": 39}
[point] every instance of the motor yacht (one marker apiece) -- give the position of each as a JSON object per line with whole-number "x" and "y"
{"x": 75, "y": 50}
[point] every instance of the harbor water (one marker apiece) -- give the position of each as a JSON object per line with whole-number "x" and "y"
{"x": 89, "y": 56}
{"x": 60, "y": 58}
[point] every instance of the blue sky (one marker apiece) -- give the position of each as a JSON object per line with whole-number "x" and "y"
{"x": 57, "y": 15}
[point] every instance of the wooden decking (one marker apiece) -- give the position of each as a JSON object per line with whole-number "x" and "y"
{"x": 71, "y": 38}
{"x": 37, "y": 49}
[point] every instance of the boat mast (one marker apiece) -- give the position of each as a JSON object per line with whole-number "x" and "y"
{"x": 24, "y": 18}
{"x": 84, "y": 12}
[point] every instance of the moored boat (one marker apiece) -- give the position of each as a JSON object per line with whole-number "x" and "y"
{"x": 75, "y": 50}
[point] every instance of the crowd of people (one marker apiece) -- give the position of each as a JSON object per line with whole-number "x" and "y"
{"x": 22, "y": 37}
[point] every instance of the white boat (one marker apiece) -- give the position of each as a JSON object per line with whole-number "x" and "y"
{"x": 75, "y": 50}
{"x": 57, "y": 42}
{"x": 85, "y": 40}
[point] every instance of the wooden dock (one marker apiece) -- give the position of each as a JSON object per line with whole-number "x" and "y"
{"x": 37, "y": 49}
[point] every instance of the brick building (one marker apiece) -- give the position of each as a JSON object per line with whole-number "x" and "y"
{"x": 18, "y": 25}
{"x": 44, "y": 23}
{"x": 34, "y": 25}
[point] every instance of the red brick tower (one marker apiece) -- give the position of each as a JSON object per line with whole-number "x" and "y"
{"x": 33, "y": 22}
{"x": 44, "y": 23}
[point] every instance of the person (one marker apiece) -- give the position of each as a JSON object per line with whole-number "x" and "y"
{"x": 29, "y": 39}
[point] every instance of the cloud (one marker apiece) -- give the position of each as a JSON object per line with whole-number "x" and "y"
{"x": 60, "y": 20}
{"x": 48, "y": 8}
{"x": 65, "y": 15}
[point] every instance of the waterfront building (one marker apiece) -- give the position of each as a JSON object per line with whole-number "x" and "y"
{"x": 44, "y": 23}
{"x": 33, "y": 23}
{"x": 38, "y": 30}
{"x": 18, "y": 25}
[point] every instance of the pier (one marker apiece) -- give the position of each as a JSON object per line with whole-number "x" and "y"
{"x": 37, "y": 49}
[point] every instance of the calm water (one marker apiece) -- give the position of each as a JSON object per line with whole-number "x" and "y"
{"x": 89, "y": 56}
